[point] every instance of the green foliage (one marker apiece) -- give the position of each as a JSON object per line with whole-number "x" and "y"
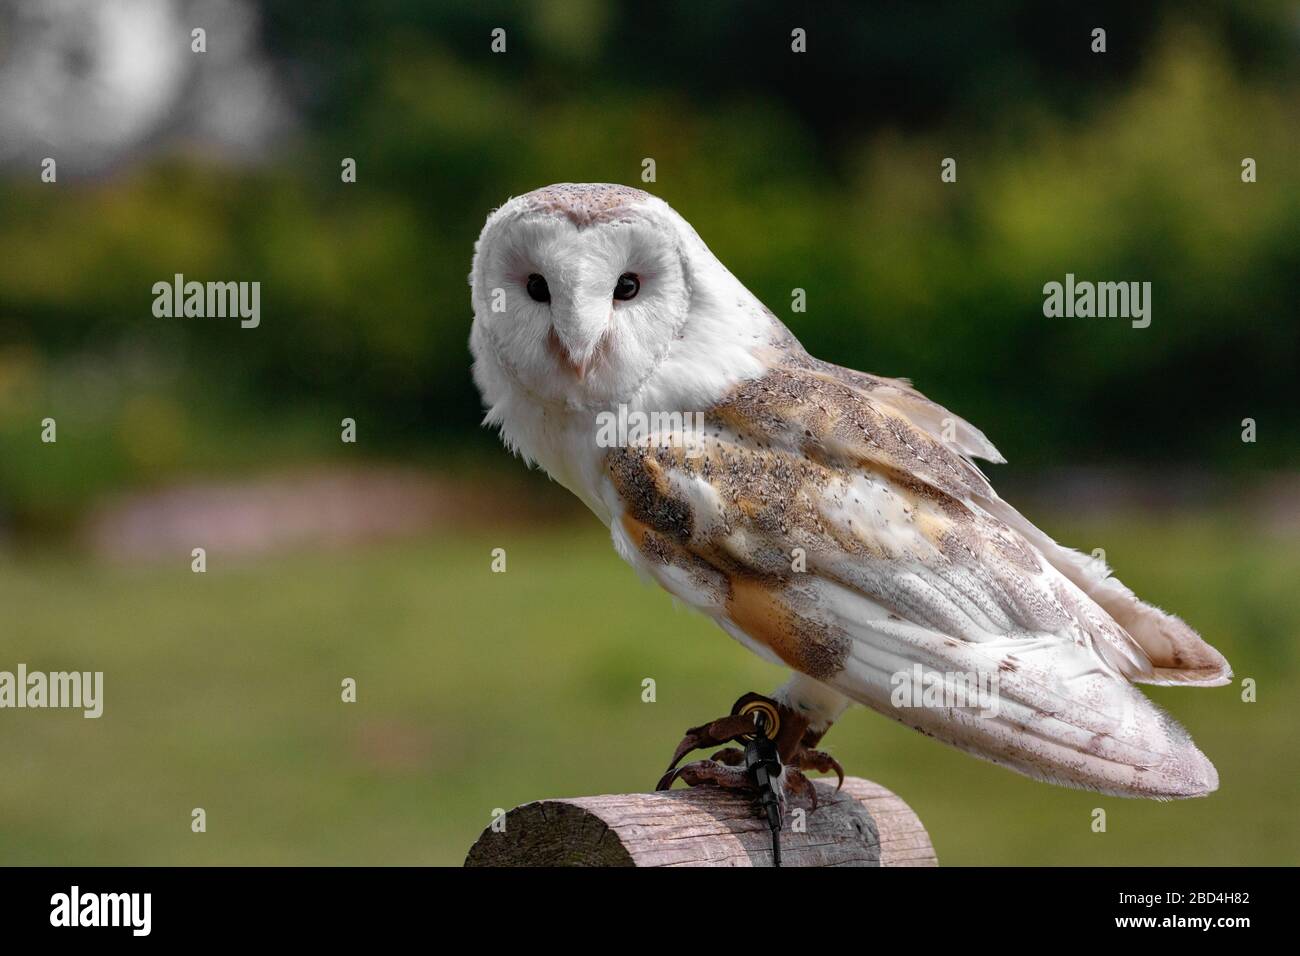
{"x": 1125, "y": 168}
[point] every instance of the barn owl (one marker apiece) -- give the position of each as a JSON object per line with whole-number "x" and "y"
{"x": 829, "y": 520}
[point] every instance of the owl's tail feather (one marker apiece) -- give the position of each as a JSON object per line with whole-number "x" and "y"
{"x": 1178, "y": 654}
{"x": 1042, "y": 707}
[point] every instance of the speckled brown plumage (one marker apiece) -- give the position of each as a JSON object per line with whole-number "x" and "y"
{"x": 586, "y": 204}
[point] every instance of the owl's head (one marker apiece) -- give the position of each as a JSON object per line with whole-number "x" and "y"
{"x": 580, "y": 292}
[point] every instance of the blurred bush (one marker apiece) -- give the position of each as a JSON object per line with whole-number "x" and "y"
{"x": 818, "y": 171}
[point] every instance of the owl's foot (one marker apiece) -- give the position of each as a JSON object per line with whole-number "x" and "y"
{"x": 729, "y": 768}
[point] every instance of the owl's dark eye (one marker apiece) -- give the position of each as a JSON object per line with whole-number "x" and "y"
{"x": 627, "y": 287}
{"x": 537, "y": 288}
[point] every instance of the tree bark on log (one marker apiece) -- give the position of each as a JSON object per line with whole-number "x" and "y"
{"x": 862, "y": 825}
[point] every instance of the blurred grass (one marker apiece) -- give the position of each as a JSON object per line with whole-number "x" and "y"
{"x": 481, "y": 690}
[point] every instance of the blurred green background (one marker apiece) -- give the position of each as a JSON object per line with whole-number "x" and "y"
{"x": 371, "y": 560}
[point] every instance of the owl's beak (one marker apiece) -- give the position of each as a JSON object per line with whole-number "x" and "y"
{"x": 577, "y": 365}
{"x": 576, "y": 342}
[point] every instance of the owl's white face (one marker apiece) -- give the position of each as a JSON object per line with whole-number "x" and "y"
{"x": 579, "y": 294}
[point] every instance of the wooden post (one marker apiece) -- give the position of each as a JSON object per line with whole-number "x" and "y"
{"x": 863, "y": 825}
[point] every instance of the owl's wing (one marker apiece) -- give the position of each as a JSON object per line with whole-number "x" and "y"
{"x": 825, "y": 528}
{"x": 1177, "y": 653}
{"x": 900, "y": 397}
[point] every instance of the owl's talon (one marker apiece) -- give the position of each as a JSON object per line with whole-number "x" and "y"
{"x": 794, "y": 783}
{"x": 792, "y": 788}
{"x": 711, "y": 772}
{"x": 731, "y": 756}
{"x": 822, "y": 762}
{"x": 726, "y": 767}
{"x": 724, "y": 730}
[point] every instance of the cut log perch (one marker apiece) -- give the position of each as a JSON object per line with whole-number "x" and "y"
{"x": 863, "y": 825}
